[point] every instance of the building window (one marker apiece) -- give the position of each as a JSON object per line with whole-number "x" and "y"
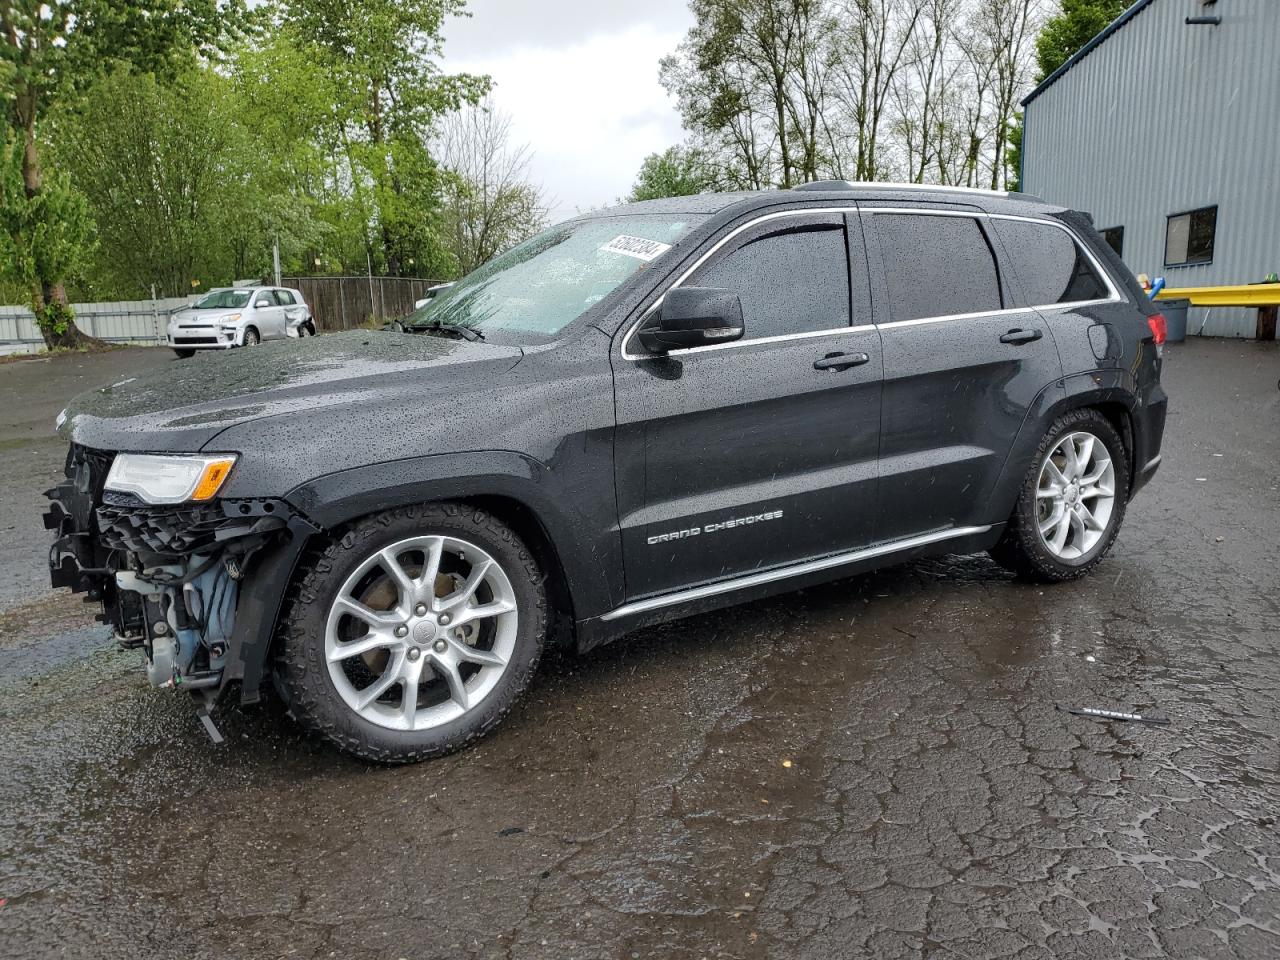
{"x": 1189, "y": 237}
{"x": 1115, "y": 239}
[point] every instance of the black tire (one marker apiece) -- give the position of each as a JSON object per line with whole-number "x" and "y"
{"x": 1021, "y": 549}
{"x": 184, "y": 354}
{"x": 251, "y": 337}
{"x": 302, "y": 674}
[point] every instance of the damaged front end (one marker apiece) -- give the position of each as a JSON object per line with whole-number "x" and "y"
{"x": 172, "y": 578}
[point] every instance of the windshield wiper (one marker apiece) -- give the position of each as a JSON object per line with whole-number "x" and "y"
{"x": 440, "y": 326}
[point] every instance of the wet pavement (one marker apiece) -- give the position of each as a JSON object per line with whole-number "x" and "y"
{"x": 871, "y": 768}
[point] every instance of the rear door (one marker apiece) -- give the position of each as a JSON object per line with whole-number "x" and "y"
{"x": 290, "y": 309}
{"x": 748, "y": 455}
{"x": 1058, "y": 276}
{"x": 962, "y": 365}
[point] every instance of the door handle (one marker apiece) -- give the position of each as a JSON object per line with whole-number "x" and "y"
{"x": 1021, "y": 336}
{"x": 840, "y": 361}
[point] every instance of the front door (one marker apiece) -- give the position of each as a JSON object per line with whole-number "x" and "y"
{"x": 962, "y": 367}
{"x": 739, "y": 457}
{"x": 266, "y": 315}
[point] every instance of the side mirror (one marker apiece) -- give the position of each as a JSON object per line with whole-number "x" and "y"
{"x": 693, "y": 317}
{"x": 419, "y": 304}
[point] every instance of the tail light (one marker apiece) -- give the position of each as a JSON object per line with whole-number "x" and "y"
{"x": 1159, "y": 329}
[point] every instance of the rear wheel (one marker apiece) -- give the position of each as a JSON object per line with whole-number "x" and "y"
{"x": 413, "y": 633}
{"x": 1072, "y": 501}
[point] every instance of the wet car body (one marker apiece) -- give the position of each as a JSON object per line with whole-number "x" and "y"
{"x": 650, "y": 486}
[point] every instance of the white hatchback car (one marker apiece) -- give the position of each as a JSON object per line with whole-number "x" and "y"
{"x": 239, "y": 317}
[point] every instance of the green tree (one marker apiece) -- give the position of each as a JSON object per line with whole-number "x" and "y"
{"x": 43, "y": 234}
{"x": 384, "y": 57}
{"x": 678, "y": 171}
{"x": 1062, "y": 37}
{"x": 1064, "y": 34}
{"x": 157, "y": 163}
{"x": 188, "y": 189}
{"x": 52, "y": 49}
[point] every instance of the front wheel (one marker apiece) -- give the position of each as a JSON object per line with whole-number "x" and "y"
{"x": 1072, "y": 501}
{"x": 413, "y": 633}
{"x": 184, "y": 354}
{"x": 251, "y": 337}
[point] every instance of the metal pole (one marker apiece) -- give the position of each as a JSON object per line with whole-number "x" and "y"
{"x": 275, "y": 260}
{"x": 369, "y": 261}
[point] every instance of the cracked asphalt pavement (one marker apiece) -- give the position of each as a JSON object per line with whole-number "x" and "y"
{"x": 872, "y": 768}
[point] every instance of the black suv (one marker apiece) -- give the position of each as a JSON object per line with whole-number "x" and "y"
{"x": 642, "y": 413}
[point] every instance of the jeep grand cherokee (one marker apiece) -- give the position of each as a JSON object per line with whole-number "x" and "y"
{"x": 642, "y": 413}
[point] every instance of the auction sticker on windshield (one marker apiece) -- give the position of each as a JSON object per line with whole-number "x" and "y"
{"x": 637, "y": 247}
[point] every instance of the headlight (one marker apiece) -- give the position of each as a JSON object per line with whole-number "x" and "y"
{"x": 231, "y": 320}
{"x": 175, "y": 479}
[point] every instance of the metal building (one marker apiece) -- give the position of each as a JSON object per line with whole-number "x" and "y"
{"x": 1166, "y": 128}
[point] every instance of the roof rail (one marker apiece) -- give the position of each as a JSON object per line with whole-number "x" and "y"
{"x": 824, "y": 185}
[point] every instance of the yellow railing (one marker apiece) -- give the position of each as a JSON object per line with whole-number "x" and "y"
{"x": 1243, "y": 295}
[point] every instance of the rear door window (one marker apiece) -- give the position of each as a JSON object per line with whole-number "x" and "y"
{"x": 284, "y": 298}
{"x": 791, "y": 274}
{"x": 936, "y": 266}
{"x": 1049, "y": 264}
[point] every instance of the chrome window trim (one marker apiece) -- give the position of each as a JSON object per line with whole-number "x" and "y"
{"x": 983, "y": 215}
{"x": 776, "y": 215}
{"x": 1114, "y": 297}
{"x": 786, "y": 573}
{"x": 780, "y": 338}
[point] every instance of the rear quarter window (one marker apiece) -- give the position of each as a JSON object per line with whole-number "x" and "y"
{"x": 1049, "y": 264}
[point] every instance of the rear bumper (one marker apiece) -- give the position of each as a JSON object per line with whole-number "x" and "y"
{"x": 1148, "y": 437}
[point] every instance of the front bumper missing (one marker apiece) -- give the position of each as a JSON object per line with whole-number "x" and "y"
{"x": 183, "y": 583}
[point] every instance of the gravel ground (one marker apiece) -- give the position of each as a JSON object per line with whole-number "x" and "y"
{"x": 875, "y": 767}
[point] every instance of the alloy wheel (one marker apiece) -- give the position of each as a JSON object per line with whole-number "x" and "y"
{"x": 1075, "y": 495}
{"x": 421, "y": 632}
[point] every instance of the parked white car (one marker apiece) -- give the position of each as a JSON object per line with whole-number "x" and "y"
{"x": 432, "y": 293}
{"x": 240, "y": 317}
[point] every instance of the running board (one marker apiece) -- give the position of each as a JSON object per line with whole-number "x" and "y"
{"x": 786, "y": 573}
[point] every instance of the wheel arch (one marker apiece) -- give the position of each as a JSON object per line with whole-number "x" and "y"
{"x": 514, "y": 487}
{"x": 584, "y": 579}
{"x": 1106, "y": 391}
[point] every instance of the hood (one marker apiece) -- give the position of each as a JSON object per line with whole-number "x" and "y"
{"x": 183, "y": 406}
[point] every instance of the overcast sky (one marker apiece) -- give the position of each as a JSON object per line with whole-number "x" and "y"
{"x": 580, "y": 81}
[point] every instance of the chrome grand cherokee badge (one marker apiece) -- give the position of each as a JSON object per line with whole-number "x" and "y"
{"x": 715, "y": 527}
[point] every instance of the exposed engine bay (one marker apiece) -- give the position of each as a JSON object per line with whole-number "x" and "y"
{"x": 168, "y": 577}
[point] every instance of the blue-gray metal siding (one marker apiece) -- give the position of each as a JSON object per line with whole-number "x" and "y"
{"x": 1161, "y": 118}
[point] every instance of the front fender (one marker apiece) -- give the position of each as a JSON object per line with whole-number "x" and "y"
{"x": 586, "y": 544}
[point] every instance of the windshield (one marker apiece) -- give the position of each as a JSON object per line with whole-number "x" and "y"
{"x": 221, "y": 300}
{"x": 547, "y": 282}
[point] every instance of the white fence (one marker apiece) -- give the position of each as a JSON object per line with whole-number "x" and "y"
{"x": 125, "y": 321}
